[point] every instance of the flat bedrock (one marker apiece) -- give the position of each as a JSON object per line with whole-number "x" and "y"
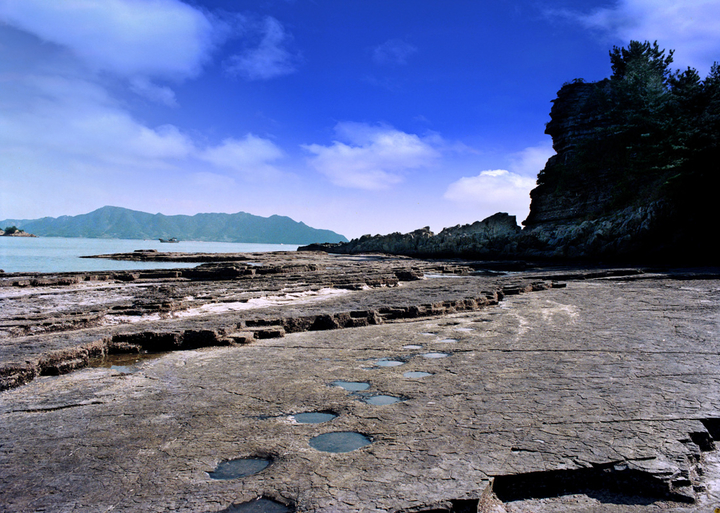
{"x": 53, "y": 324}
{"x": 598, "y": 396}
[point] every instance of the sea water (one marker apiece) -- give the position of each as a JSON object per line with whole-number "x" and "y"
{"x": 59, "y": 254}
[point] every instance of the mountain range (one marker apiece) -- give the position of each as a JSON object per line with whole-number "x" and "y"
{"x": 121, "y": 223}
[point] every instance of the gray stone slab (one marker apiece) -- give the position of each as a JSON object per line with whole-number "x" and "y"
{"x": 615, "y": 375}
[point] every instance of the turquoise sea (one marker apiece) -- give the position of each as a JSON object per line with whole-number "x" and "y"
{"x": 58, "y": 254}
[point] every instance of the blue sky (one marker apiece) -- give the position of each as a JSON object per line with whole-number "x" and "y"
{"x": 359, "y": 116}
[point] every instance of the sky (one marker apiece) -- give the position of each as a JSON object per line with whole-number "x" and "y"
{"x": 358, "y": 116}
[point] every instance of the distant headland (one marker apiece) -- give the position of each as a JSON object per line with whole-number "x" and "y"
{"x": 121, "y": 223}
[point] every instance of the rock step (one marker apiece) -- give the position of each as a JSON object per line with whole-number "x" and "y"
{"x": 14, "y": 374}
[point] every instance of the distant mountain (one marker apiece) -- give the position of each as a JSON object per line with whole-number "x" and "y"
{"x": 121, "y": 223}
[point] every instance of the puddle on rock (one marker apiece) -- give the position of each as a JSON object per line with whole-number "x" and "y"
{"x": 261, "y": 505}
{"x": 385, "y": 362}
{"x": 435, "y": 355}
{"x": 381, "y": 400}
{"x": 417, "y": 374}
{"x": 313, "y": 417}
{"x": 241, "y": 467}
{"x": 412, "y": 346}
{"x": 352, "y": 386}
{"x": 449, "y": 340}
{"x": 125, "y": 363}
{"x": 464, "y": 329}
{"x": 339, "y": 441}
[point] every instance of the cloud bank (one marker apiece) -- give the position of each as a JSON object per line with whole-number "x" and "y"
{"x": 65, "y": 119}
{"x": 130, "y": 38}
{"x": 249, "y": 157}
{"x": 372, "y": 157}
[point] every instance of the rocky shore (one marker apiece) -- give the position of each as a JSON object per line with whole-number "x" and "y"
{"x": 471, "y": 386}
{"x": 18, "y": 233}
{"x": 628, "y": 235}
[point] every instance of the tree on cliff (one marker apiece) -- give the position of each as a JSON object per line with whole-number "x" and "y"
{"x": 641, "y": 63}
{"x": 639, "y": 92}
{"x": 651, "y": 129}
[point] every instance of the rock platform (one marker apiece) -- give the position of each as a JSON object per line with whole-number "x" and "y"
{"x": 547, "y": 389}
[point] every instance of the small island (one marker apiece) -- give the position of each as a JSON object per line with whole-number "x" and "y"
{"x": 14, "y": 231}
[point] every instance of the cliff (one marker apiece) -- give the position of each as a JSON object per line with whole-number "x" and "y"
{"x": 563, "y": 195}
{"x": 575, "y": 213}
{"x": 634, "y": 178}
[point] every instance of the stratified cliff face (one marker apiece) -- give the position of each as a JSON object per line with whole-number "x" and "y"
{"x": 559, "y": 198}
{"x": 586, "y": 204}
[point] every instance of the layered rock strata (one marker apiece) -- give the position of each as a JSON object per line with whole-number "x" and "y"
{"x": 53, "y": 324}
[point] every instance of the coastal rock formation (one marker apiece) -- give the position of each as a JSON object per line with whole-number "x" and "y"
{"x": 573, "y": 120}
{"x": 64, "y": 320}
{"x": 633, "y": 179}
{"x": 14, "y": 232}
{"x": 573, "y": 215}
{"x": 495, "y": 236}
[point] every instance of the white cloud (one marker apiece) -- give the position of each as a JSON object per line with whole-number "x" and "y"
{"x": 131, "y": 38}
{"x": 497, "y": 189}
{"x": 394, "y": 51}
{"x": 73, "y": 119}
{"x": 249, "y": 157}
{"x": 373, "y": 157}
{"x": 502, "y": 190}
{"x": 269, "y": 59}
{"x": 531, "y": 160}
{"x": 691, "y": 27}
{"x": 159, "y": 94}
{"x": 66, "y": 144}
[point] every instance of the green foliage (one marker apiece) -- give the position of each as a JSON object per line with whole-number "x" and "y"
{"x": 12, "y": 229}
{"x": 656, "y": 132}
{"x": 641, "y": 60}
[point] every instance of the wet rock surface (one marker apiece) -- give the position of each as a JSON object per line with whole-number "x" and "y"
{"x": 601, "y": 395}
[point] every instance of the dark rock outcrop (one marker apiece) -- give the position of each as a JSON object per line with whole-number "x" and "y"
{"x": 496, "y": 235}
{"x": 588, "y": 205}
{"x": 17, "y": 233}
{"x": 557, "y": 198}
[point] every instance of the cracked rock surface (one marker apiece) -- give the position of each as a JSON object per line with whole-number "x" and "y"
{"x": 599, "y": 396}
